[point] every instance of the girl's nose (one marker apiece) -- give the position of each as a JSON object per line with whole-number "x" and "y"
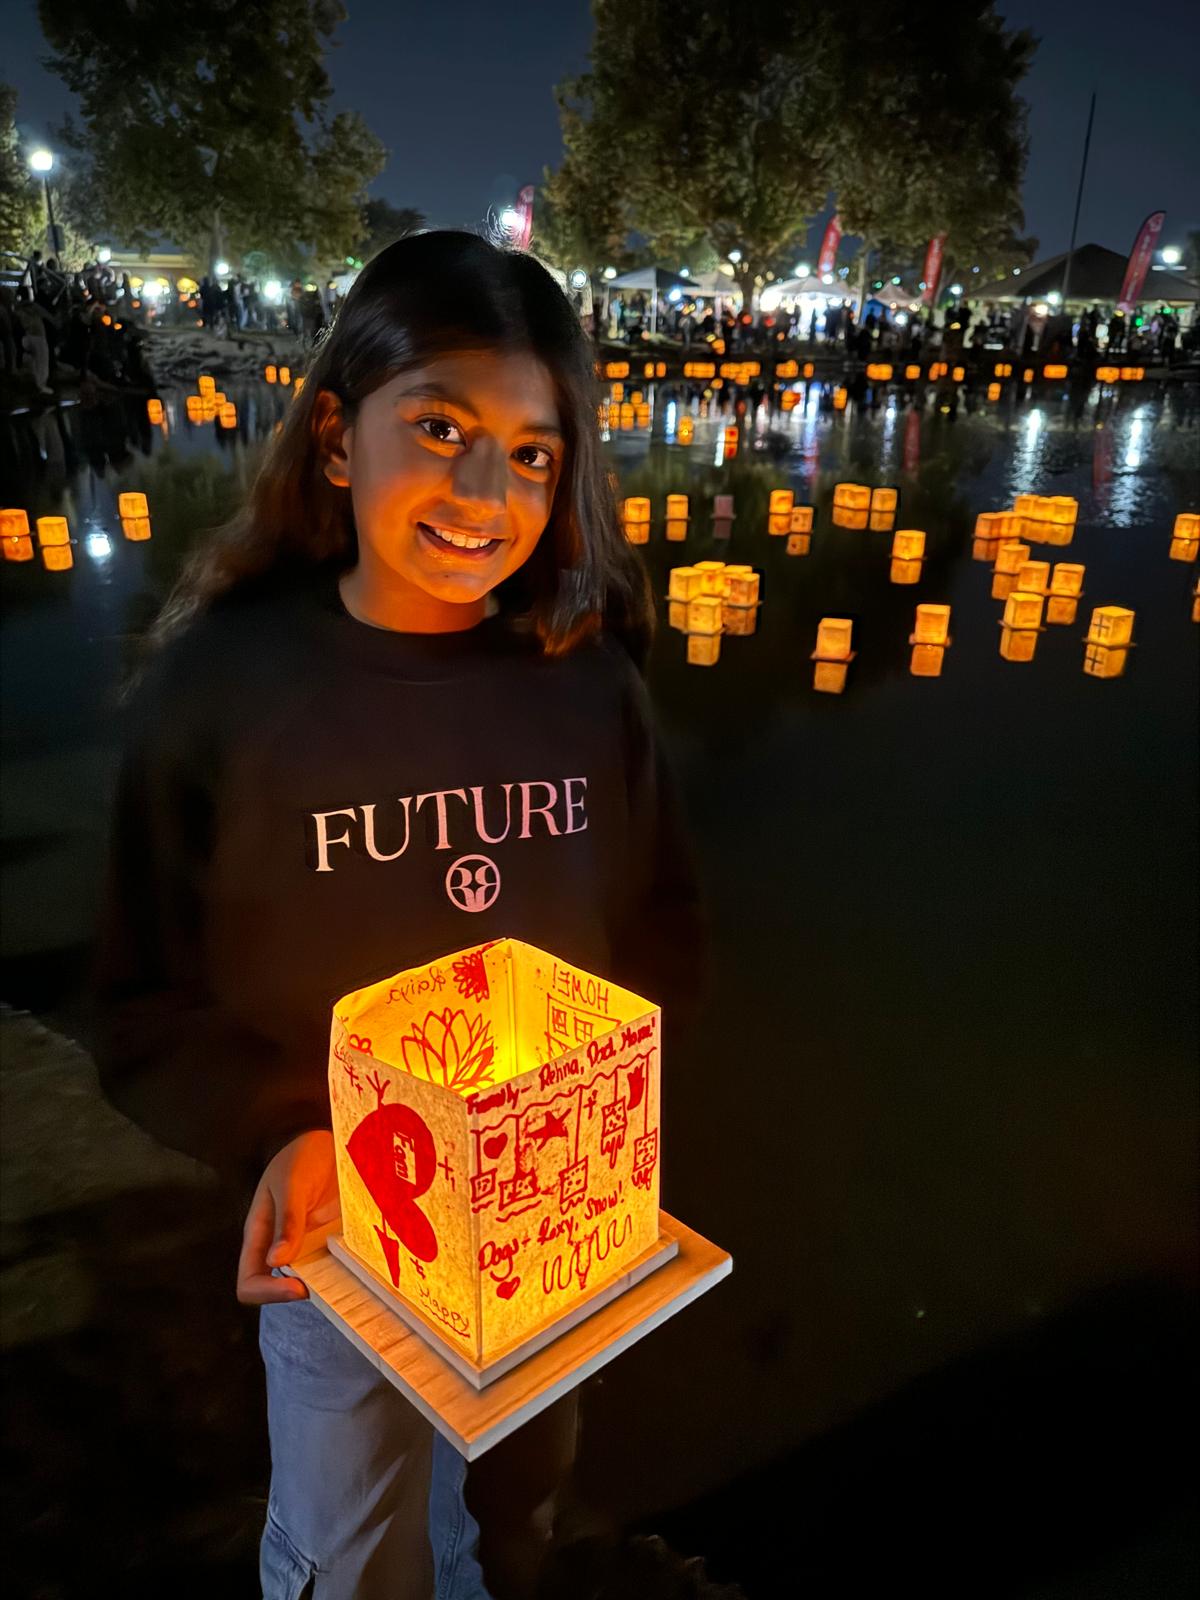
{"x": 481, "y": 479}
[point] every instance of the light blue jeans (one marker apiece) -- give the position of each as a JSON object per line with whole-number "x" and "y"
{"x": 366, "y": 1498}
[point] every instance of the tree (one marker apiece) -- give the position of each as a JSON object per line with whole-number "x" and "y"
{"x": 383, "y": 224}
{"x": 716, "y": 123}
{"x": 933, "y": 138}
{"x": 22, "y": 210}
{"x": 206, "y": 121}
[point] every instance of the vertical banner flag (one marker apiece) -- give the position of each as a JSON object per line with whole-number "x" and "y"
{"x": 1139, "y": 259}
{"x": 933, "y": 267}
{"x": 525, "y": 212}
{"x": 829, "y": 247}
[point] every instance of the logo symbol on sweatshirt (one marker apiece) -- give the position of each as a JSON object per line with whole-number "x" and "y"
{"x": 473, "y": 883}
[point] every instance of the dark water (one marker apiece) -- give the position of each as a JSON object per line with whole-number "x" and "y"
{"x": 942, "y": 1108}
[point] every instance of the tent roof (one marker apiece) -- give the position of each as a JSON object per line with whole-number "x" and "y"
{"x": 648, "y": 278}
{"x": 1096, "y": 276}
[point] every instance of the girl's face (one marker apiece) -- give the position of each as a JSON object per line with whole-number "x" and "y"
{"x": 452, "y": 469}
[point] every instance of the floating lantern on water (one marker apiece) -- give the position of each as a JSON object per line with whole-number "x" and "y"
{"x": 839, "y": 399}
{"x": 885, "y": 499}
{"x": 937, "y": 369}
{"x": 642, "y": 413}
{"x": 1002, "y": 369}
{"x": 270, "y": 372}
{"x": 809, "y": 369}
{"x": 932, "y": 625}
{"x": 704, "y": 614}
{"x": 834, "y": 639}
{"x": 1185, "y": 537}
{"x": 635, "y": 514}
{"x": 743, "y": 587}
{"x": 206, "y": 384}
{"x": 194, "y": 407}
{"x": 154, "y": 411}
{"x": 1023, "y": 610}
{"x": 787, "y": 369}
{"x": 852, "y": 496}
{"x": 1132, "y": 374}
{"x": 685, "y": 432}
{"x": 1067, "y": 579}
{"x": 1108, "y": 374}
{"x": 912, "y": 372}
{"x": 712, "y": 578}
{"x": 1061, "y": 609}
{"x": 879, "y": 372}
{"x": 1018, "y": 644}
{"x": 1027, "y": 375}
{"x": 909, "y": 545}
{"x": 781, "y": 502}
{"x": 703, "y": 649}
{"x": 993, "y": 391}
{"x": 53, "y": 531}
{"x": 1034, "y": 577}
{"x": 683, "y": 583}
{"x": 1111, "y": 625}
{"x": 958, "y": 374}
{"x": 132, "y": 505}
{"x": 799, "y": 544}
{"x": 926, "y": 660}
{"x": 1054, "y": 372}
{"x": 801, "y": 519}
{"x": 739, "y": 621}
{"x": 617, "y": 369}
{"x": 285, "y": 376}
{"x": 1062, "y": 509}
{"x": 1011, "y": 556}
{"x": 14, "y": 523}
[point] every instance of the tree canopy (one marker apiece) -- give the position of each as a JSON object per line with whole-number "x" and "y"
{"x": 21, "y": 205}
{"x": 207, "y": 122}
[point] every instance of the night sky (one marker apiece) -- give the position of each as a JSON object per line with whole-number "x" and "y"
{"x": 462, "y": 96}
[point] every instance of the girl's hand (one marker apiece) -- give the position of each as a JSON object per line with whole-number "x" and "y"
{"x": 297, "y": 1192}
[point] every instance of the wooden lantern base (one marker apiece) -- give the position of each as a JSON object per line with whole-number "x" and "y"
{"x": 473, "y": 1417}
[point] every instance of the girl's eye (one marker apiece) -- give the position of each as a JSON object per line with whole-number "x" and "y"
{"x": 432, "y": 423}
{"x": 542, "y": 450}
{"x": 536, "y": 456}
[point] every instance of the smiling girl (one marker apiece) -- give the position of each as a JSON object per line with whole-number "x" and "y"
{"x": 392, "y": 712}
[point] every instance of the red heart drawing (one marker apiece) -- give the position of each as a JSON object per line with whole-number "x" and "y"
{"x": 493, "y": 1147}
{"x": 508, "y": 1288}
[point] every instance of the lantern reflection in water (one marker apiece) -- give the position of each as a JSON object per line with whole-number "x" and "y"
{"x": 799, "y": 544}
{"x": 685, "y": 431}
{"x": 839, "y": 399}
{"x": 1018, "y": 644}
{"x": 801, "y": 520}
{"x": 154, "y": 411}
{"x": 703, "y": 649}
{"x": 843, "y": 517}
{"x": 905, "y": 571}
{"x": 1061, "y": 608}
{"x": 636, "y": 515}
{"x": 1105, "y": 661}
{"x": 984, "y": 550}
{"x": 739, "y": 621}
{"x": 1011, "y": 556}
{"x": 1003, "y": 584}
{"x": 57, "y": 557}
{"x": 677, "y": 614}
{"x": 926, "y": 660}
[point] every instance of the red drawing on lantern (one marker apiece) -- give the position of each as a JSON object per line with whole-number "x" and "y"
{"x": 508, "y": 1288}
{"x": 393, "y": 1153}
{"x": 645, "y": 1158}
{"x": 359, "y": 1042}
{"x": 452, "y": 1050}
{"x": 552, "y": 1128}
{"x": 483, "y": 1187}
{"x": 637, "y": 1084}
{"x": 356, "y": 1081}
{"x": 470, "y": 976}
{"x": 613, "y": 1127}
{"x": 572, "y": 1185}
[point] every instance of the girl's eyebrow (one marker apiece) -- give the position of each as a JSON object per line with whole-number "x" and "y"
{"x": 430, "y": 390}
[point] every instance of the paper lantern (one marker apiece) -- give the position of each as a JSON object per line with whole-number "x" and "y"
{"x": 1108, "y": 374}
{"x": 1132, "y": 374}
{"x": 637, "y": 398}
{"x": 704, "y": 614}
{"x": 1023, "y": 610}
{"x": 839, "y": 399}
{"x": 833, "y": 639}
{"x": 1026, "y": 504}
{"x": 959, "y": 374}
{"x": 1027, "y": 375}
{"x": 1054, "y": 372}
{"x": 926, "y": 660}
{"x": 842, "y": 517}
{"x": 909, "y": 545}
{"x": 788, "y": 399}
{"x": 685, "y": 431}
{"x": 1184, "y": 547}
{"x": 781, "y": 502}
{"x": 270, "y": 373}
{"x": 879, "y": 372}
{"x": 932, "y": 625}
{"x": 677, "y": 505}
{"x": 617, "y": 369}
{"x": 1067, "y": 579}
{"x": 1187, "y": 525}
{"x": 1018, "y": 644}
{"x": 740, "y": 621}
{"x": 743, "y": 588}
{"x": 53, "y": 531}
{"x": 712, "y": 578}
{"x": 987, "y": 525}
{"x": 882, "y": 521}
{"x": 648, "y": 370}
{"x": 154, "y": 411}
{"x": 1003, "y": 584}
{"x": 660, "y": 369}
{"x": 205, "y": 384}
{"x": 194, "y": 406}
{"x": 1102, "y": 661}
{"x": 993, "y": 391}
{"x": 18, "y": 547}
{"x": 985, "y": 550}
{"x": 1060, "y": 508}
{"x": 937, "y": 369}
{"x": 682, "y": 583}
{"x": 809, "y": 369}
{"x": 132, "y": 505}
{"x": 829, "y": 677}
{"x": 637, "y": 509}
{"x": 1002, "y": 369}
{"x": 496, "y": 1127}
{"x": 1034, "y": 577}
{"x": 677, "y": 614}
{"x": 904, "y": 570}
{"x": 799, "y": 544}
{"x": 912, "y": 373}
{"x": 1061, "y": 609}
{"x": 57, "y": 557}
{"x": 730, "y": 439}
{"x": 801, "y": 519}
{"x": 14, "y": 523}
{"x": 787, "y": 369}
{"x": 853, "y": 496}
{"x": 703, "y": 649}
{"x": 1011, "y": 556}
{"x": 642, "y": 413}
{"x": 722, "y": 506}
{"x": 884, "y": 499}
{"x": 285, "y": 376}
{"x": 1111, "y": 625}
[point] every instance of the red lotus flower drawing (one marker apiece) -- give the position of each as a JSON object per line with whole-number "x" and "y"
{"x": 452, "y": 1050}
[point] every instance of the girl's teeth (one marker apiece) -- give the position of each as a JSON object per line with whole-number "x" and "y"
{"x": 460, "y": 539}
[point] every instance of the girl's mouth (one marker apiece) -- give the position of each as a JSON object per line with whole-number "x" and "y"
{"x": 450, "y": 542}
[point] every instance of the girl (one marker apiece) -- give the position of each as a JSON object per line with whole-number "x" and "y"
{"x": 392, "y": 713}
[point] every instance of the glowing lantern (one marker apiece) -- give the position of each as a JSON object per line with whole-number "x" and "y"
{"x": 1132, "y": 374}
{"x": 829, "y": 677}
{"x": 1060, "y": 508}
{"x": 779, "y": 525}
{"x": 781, "y": 502}
{"x": 1003, "y": 369}
{"x": 680, "y": 582}
{"x": 135, "y": 528}
{"x": 909, "y": 545}
{"x": 1023, "y": 610}
{"x": 1102, "y": 661}
{"x": 637, "y": 509}
{"x": 932, "y": 625}
{"x": 853, "y": 496}
{"x": 801, "y": 519}
{"x": 628, "y": 415}
{"x": 617, "y": 369}
{"x": 1003, "y": 584}
{"x": 1054, "y": 372}
{"x": 297, "y": 386}
{"x": 926, "y": 660}
{"x": 740, "y": 621}
{"x": 1187, "y": 525}
{"x": 787, "y": 369}
{"x": 643, "y": 416}
{"x": 993, "y": 391}
{"x": 723, "y": 506}
{"x": 1111, "y": 625}
{"x": 132, "y": 505}
{"x": 677, "y": 505}
{"x": 676, "y": 529}
{"x": 1184, "y": 546}
{"x": 809, "y": 369}
{"x": 1061, "y": 608}
{"x": 743, "y": 588}
{"x": 842, "y": 518}
{"x": 18, "y": 547}
{"x": 988, "y": 525}
{"x": 1018, "y": 644}
{"x": 937, "y": 369}
{"x": 834, "y": 635}
{"x": 648, "y": 370}
{"x": 839, "y": 399}
{"x": 1026, "y": 504}
{"x": 228, "y": 415}
{"x": 677, "y": 614}
{"x": 882, "y": 521}
{"x": 1067, "y": 579}
{"x": 14, "y": 524}
{"x": 1027, "y": 375}
{"x": 57, "y": 557}
{"x": 884, "y": 499}
{"x": 195, "y": 408}
{"x": 703, "y": 649}
{"x": 704, "y": 614}
{"x": 205, "y": 384}
{"x": 285, "y": 376}
{"x": 959, "y": 374}
{"x": 1108, "y": 374}
{"x": 479, "y": 1104}
{"x": 1011, "y": 556}
{"x": 789, "y": 399}
{"x": 902, "y": 571}
{"x": 985, "y": 550}
{"x": 730, "y": 437}
{"x": 799, "y": 544}
{"x": 53, "y": 531}
{"x": 685, "y": 432}
{"x": 1034, "y": 577}
{"x": 154, "y": 411}
{"x": 637, "y": 532}
{"x": 912, "y": 373}
{"x": 270, "y": 373}
{"x": 660, "y": 369}
{"x": 879, "y": 372}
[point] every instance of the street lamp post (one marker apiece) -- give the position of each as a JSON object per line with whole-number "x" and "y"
{"x": 42, "y": 161}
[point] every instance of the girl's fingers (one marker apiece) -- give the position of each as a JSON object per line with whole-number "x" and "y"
{"x": 261, "y": 1289}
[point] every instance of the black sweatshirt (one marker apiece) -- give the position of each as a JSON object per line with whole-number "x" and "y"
{"x": 308, "y": 804}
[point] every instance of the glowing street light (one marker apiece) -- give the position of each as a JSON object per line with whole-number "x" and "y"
{"x": 1172, "y": 255}
{"x": 956, "y": 288}
{"x": 735, "y": 256}
{"x": 802, "y": 269}
{"x": 610, "y": 273}
{"x": 578, "y": 278}
{"x": 222, "y": 269}
{"x": 103, "y": 255}
{"x": 41, "y": 161}
{"x": 273, "y": 290}
{"x": 1054, "y": 297}
{"x": 510, "y": 220}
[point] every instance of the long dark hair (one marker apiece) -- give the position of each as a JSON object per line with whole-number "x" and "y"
{"x": 423, "y": 296}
